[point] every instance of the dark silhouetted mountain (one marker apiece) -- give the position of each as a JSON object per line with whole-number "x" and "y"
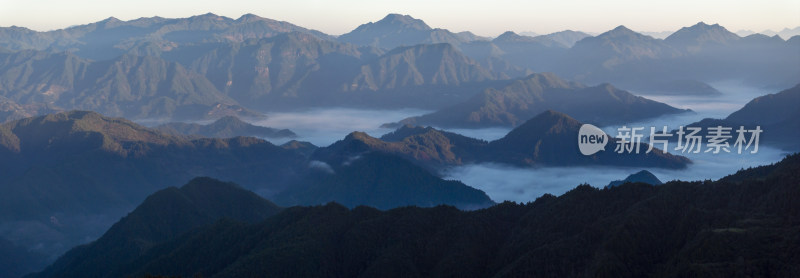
{"x": 130, "y": 86}
{"x": 397, "y": 30}
{"x": 112, "y": 37}
{"x": 744, "y": 224}
{"x": 16, "y": 261}
{"x": 551, "y": 137}
{"x": 90, "y": 168}
{"x": 642, "y": 176}
{"x": 163, "y": 216}
{"x": 382, "y": 181}
{"x": 71, "y": 172}
{"x": 524, "y": 98}
{"x": 775, "y": 114}
{"x": 225, "y": 127}
{"x": 770, "y": 109}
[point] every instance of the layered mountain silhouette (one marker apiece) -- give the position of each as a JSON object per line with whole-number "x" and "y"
{"x": 742, "y": 224}
{"x": 75, "y": 166}
{"x": 434, "y": 64}
{"x": 642, "y": 176}
{"x": 548, "y": 139}
{"x": 132, "y": 86}
{"x": 78, "y": 165}
{"x": 524, "y": 98}
{"x": 775, "y": 114}
{"x": 225, "y": 127}
{"x": 111, "y": 37}
{"x": 188, "y": 68}
{"x": 379, "y": 180}
{"x": 163, "y": 216}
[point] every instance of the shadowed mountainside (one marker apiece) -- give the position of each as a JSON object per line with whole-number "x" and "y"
{"x": 744, "y": 224}
{"x": 548, "y": 139}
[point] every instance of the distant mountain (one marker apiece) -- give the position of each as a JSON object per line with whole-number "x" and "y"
{"x": 618, "y": 46}
{"x": 382, "y": 181}
{"x": 533, "y": 53}
{"x": 776, "y": 115}
{"x": 112, "y": 37}
{"x": 684, "y": 87}
{"x": 786, "y": 33}
{"x": 163, "y": 216}
{"x": 658, "y": 35}
{"x": 225, "y": 127}
{"x": 262, "y": 74}
{"x": 432, "y": 64}
{"x": 547, "y": 139}
{"x": 694, "y": 38}
{"x": 778, "y": 108}
{"x": 567, "y": 38}
{"x": 642, "y": 176}
{"x": 744, "y": 223}
{"x": 285, "y": 66}
{"x": 397, "y": 30}
{"x": 130, "y": 86}
{"x": 524, "y": 98}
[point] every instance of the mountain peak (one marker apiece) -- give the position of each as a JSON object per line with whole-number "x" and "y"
{"x": 642, "y": 176}
{"x": 249, "y": 17}
{"x": 619, "y": 31}
{"x": 509, "y": 36}
{"x": 403, "y": 20}
{"x": 701, "y": 33}
{"x": 110, "y": 19}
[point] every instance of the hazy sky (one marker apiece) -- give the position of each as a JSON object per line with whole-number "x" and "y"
{"x": 489, "y": 18}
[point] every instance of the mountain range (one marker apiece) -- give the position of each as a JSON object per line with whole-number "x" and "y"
{"x": 547, "y": 139}
{"x": 66, "y": 175}
{"x": 524, "y": 98}
{"x": 112, "y": 37}
{"x": 742, "y": 224}
{"x": 209, "y": 66}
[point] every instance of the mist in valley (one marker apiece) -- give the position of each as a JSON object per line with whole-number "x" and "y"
{"x": 323, "y": 127}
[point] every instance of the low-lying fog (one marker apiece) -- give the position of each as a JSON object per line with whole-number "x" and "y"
{"x": 325, "y": 126}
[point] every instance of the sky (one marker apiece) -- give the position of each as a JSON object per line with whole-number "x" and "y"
{"x": 487, "y": 18}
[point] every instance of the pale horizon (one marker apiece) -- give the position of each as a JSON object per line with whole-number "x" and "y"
{"x": 482, "y": 19}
